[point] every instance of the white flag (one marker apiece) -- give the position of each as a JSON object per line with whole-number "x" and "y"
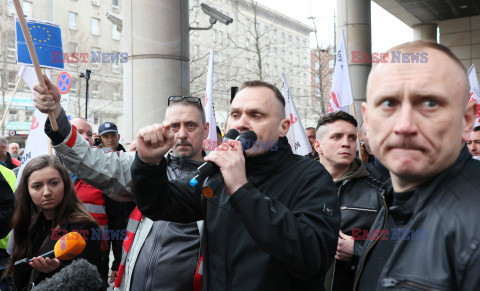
{"x": 37, "y": 140}
{"x": 209, "y": 106}
{"x": 341, "y": 94}
{"x": 297, "y": 138}
{"x": 474, "y": 91}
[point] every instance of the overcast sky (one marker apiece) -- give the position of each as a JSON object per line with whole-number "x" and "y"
{"x": 387, "y": 30}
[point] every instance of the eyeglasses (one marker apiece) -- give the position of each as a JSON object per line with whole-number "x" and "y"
{"x": 190, "y": 99}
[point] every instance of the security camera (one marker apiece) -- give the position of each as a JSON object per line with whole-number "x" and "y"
{"x": 115, "y": 19}
{"x": 216, "y": 15}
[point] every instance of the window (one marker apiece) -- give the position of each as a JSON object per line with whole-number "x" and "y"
{"x": 247, "y": 42}
{"x": 11, "y": 40}
{"x": 96, "y": 57}
{"x": 317, "y": 79}
{"x": 266, "y": 68}
{"x": 115, "y": 32}
{"x": 304, "y": 61}
{"x": 195, "y": 50}
{"x": 275, "y": 70}
{"x": 72, "y": 47}
{"x": 94, "y": 89}
{"x": 10, "y": 7}
{"x": 274, "y": 34}
{"x": 219, "y": 56}
{"x": 115, "y": 6}
{"x": 72, "y": 20}
{"x": 116, "y": 91}
{"x": 12, "y": 79}
{"x": 95, "y": 26}
{"x": 27, "y": 8}
{"x": 28, "y": 115}
{"x": 115, "y": 2}
{"x": 73, "y": 86}
{"x": 275, "y": 52}
{"x": 267, "y": 50}
{"x": 331, "y": 64}
{"x": 214, "y": 35}
{"x": 115, "y": 62}
{"x": 282, "y": 37}
{"x": 247, "y": 64}
{"x": 96, "y": 2}
{"x": 298, "y": 60}
{"x": 317, "y": 65}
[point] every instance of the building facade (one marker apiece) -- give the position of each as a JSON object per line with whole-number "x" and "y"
{"x": 90, "y": 41}
{"x": 260, "y": 44}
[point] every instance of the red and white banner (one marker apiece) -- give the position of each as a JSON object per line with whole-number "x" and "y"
{"x": 474, "y": 91}
{"x": 211, "y": 143}
{"x": 296, "y": 135}
{"x": 341, "y": 94}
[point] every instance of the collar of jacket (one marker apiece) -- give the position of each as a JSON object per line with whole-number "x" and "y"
{"x": 427, "y": 190}
{"x": 262, "y": 165}
{"x": 182, "y": 163}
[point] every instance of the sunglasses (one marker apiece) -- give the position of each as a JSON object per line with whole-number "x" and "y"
{"x": 190, "y": 99}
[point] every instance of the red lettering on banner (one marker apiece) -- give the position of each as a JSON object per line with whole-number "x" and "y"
{"x": 35, "y": 123}
{"x": 293, "y": 119}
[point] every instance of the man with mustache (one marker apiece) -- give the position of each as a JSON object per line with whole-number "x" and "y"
{"x": 418, "y": 119}
{"x": 157, "y": 255}
{"x": 473, "y": 143}
{"x": 273, "y": 222}
{"x": 359, "y": 194}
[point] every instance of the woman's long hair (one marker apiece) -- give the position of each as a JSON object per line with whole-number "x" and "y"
{"x": 70, "y": 210}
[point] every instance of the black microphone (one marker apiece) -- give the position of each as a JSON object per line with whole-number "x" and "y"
{"x": 208, "y": 168}
{"x": 79, "y": 275}
{"x": 213, "y": 182}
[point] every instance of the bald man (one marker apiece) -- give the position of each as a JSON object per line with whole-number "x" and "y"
{"x": 427, "y": 234}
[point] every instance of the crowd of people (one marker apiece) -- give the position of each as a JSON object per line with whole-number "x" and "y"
{"x": 397, "y": 213}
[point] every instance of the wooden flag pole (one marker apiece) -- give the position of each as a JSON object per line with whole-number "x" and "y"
{"x": 10, "y": 103}
{"x": 33, "y": 55}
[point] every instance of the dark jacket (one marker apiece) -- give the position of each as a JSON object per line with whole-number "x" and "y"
{"x": 9, "y": 162}
{"x": 7, "y": 202}
{"x": 441, "y": 248}
{"x": 43, "y": 240}
{"x": 360, "y": 200}
{"x": 279, "y": 231}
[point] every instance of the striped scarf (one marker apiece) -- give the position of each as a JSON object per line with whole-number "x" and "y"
{"x": 132, "y": 226}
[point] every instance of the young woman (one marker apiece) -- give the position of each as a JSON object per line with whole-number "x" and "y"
{"x": 46, "y": 208}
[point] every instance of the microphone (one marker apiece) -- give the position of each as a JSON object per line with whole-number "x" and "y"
{"x": 212, "y": 182}
{"x": 79, "y": 275}
{"x": 208, "y": 168}
{"x": 67, "y": 247}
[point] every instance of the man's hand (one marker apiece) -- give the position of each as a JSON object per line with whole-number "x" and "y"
{"x": 229, "y": 157}
{"x": 153, "y": 142}
{"x": 45, "y": 265}
{"x": 113, "y": 276}
{"x": 344, "y": 247}
{"x": 47, "y": 99}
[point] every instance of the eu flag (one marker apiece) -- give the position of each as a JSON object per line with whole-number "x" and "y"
{"x": 47, "y": 40}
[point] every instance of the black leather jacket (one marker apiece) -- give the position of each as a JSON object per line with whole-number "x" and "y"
{"x": 360, "y": 201}
{"x": 442, "y": 249}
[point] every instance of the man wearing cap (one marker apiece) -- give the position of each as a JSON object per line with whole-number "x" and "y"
{"x": 108, "y": 136}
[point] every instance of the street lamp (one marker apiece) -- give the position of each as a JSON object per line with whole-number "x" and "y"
{"x": 87, "y": 77}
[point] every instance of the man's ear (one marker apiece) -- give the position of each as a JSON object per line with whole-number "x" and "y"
{"x": 205, "y": 130}
{"x": 317, "y": 147}
{"x": 364, "y": 112}
{"x": 284, "y": 126}
{"x": 469, "y": 119}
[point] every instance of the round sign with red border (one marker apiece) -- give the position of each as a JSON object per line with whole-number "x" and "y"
{"x": 64, "y": 82}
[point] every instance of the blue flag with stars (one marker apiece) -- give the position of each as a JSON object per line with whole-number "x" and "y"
{"x": 47, "y": 40}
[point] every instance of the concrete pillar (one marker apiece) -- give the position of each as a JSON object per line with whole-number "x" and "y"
{"x": 425, "y": 31}
{"x": 156, "y": 38}
{"x": 354, "y": 19}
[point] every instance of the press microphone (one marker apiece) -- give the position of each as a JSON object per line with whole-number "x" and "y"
{"x": 67, "y": 247}
{"x": 208, "y": 168}
{"x": 79, "y": 275}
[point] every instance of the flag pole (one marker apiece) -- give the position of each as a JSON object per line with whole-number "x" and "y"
{"x": 10, "y": 103}
{"x": 33, "y": 56}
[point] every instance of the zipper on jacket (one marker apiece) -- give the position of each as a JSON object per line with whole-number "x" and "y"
{"x": 358, "y": 208}
{"x": 371, "y": 246}
{"x": 391, "y": 282}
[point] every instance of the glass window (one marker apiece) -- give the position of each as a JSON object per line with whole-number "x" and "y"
{"x": 331, "y": 64}
{"x": 27, "y": 8}
{"x": 95, "y": 26}
{"x": 11, "y": 40}
{"x": 10, "y": 7}
{"x": 12, "y": 79}
{"x": 72, "y": 20}
{"x": 115, "y": 33}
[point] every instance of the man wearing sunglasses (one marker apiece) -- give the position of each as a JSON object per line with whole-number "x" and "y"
{"x": 158, "y": 255}
{"x": 273, "y": 224}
